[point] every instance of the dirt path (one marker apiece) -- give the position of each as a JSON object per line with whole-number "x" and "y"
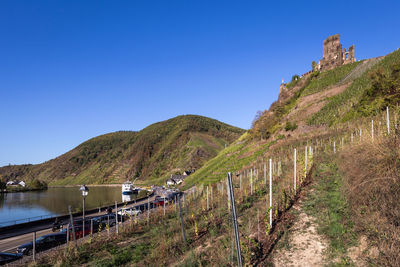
{"x": 303, "y": 246}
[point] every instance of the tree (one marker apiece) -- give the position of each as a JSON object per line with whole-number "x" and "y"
{"x": 3, "y": 184}
{"x": 295, "y": 78}
{"x": 257, "y": 118}
{"x": 36, "y": 184}
{"x": 314, "y": 66}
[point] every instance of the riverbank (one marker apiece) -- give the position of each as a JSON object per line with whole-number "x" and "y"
{"x": 88, "y": 185}
{"x": 20, "y": 190}
{"x": 93, "y": 185}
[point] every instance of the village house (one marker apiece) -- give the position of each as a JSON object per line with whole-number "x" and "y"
{"x": 177, "y": 179}
{"x": 16, "y": 183}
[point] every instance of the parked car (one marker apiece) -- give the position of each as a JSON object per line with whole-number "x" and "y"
{"x": 129, "y": 212}
{"x": 106, "y": 219}
{"x": 159, "y": 201}
{"x": 43, "y": 243}
{"x": 9, "y": 257}
{"x": 79, "y": 231}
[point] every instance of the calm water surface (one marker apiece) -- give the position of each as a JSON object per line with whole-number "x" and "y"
{"x": 55, "y": 201}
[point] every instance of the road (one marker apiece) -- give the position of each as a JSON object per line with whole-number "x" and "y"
{"x": 11, "y": 244}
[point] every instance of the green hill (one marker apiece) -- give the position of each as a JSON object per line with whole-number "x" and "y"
{"x": 161, "y": 149}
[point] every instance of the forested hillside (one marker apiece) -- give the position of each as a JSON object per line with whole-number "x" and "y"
{"x": 161, "y": 149}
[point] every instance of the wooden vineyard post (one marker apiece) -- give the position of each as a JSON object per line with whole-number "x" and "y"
{"x": 387, "y": 120}
{"x": 212, "y": 198}
{"x": 372, "y": 130}
{"x": 265, "y": 174}
{"x": 174, "y": 203}
{"x": 208, "y": 204}
{"x": 270, "y": 192}
{"x": 164, "y": 206}
{"x": 116, "y": 217}
{"x": 279, "y": 168}
{"x": 258, "y": 224}
{"x": 294, "y": 172}
{"x": 305, "y": 162}
{"x": 251, "y": 181}
{"x": 34, "y": 246}
{"x": 240, "y": 181}
{"x": 181, "y": 218}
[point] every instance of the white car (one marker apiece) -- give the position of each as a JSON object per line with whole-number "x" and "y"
{"x": 129, "y": 212}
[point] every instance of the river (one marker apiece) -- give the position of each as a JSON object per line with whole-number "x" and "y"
{"x": 55, "y": 201}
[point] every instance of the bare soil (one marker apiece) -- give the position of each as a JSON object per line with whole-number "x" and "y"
{"x": 304, "y": 247}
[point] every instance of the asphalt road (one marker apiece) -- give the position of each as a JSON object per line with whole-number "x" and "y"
{"x": 11, "y": 244}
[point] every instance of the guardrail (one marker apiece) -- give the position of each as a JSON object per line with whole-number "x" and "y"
{"x": 40, "y": 224}
{"x": 25, "y": 220}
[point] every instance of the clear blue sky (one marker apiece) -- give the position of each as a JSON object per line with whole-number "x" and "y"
{"x": 72, "y": 70}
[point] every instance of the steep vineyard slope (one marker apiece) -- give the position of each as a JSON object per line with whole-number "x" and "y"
{"x": 309, "y": 107}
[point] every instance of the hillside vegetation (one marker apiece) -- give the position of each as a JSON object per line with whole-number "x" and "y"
{"x": 313, "y": 106}
{"x": 324, "y": 157}
{"x": 161, "y": 149}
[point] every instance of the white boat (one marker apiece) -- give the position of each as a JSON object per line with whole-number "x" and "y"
{"x": 127, "y": 188}
{"x": 127, "y": 198}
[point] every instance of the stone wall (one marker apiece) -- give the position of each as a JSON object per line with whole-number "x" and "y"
{"x": 333, "y": 55}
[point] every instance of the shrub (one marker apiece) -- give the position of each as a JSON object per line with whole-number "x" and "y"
{"x": 290, "y": 126}
{"x": 314, "y": 65}
{"x": 37, "y": 185}
{"x": 2, "y": 184}
{"x": 294, "y": 81}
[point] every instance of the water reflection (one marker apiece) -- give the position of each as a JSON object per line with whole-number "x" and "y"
{"x": 127, "y": 198}
{"x": 14, "y": 206}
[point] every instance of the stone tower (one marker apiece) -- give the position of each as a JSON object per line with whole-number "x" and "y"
{"x": 333, "y": 55}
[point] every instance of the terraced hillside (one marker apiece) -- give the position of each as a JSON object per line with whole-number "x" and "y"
{"x": 312, "y": 106}
{"x": 161, "y": 149}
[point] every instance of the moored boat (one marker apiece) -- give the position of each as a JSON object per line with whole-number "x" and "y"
{"x": 127, "y": 188}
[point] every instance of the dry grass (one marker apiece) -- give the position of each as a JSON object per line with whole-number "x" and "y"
{"x": 372, "y": 186}
{"x": 209, "y": 232}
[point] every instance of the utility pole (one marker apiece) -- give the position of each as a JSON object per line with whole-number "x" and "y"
{"x": 72, "y": 223}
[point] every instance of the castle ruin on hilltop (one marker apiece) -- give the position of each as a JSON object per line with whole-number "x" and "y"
{"x": 333, "y": 55}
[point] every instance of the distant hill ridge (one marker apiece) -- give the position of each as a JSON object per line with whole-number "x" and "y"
{"x": 154, "y": 153}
